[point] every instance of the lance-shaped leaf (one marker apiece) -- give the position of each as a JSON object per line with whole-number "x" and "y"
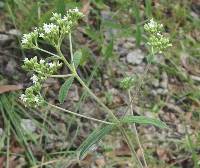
{"x": 64, "y": 89}
{"x": 93, "y": 138}
{"x": 77, "y": 58}
{"x": 143, "y": 120}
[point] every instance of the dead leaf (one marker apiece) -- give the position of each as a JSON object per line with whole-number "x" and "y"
{"x": 2, "y": 159}
{"x": 162, "y": 154}
{"x": 10, "y": 88}
{"x": 86, "y": 7}
{"x": 123, "y": 150}
{"x": 100, "y": 162}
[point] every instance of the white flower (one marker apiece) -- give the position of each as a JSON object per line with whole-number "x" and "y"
{"x": 152, "y": 23}
{"x": 76, "y": 9}
{"x": 41, "y": 35}
{"x": 26, "y": 60}
{"x": 29, "y": 39}
{"x": 34, "y": 78}
{"x": 59, "y": 63}
{"x": 51, "y": 65}
{"x": 23, "y": 97}
{"x": 42, "y": 61}
{"x": 48, "y": 28}
{"x": 36, "y": 99}
{"x": 35, "y": 30}
{"x": 26, "y": 38}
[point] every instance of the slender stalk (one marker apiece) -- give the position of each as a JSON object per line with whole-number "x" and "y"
{"x": 96, "y": 98}
{"x": 61, "y": 76}
{"x": 136, "y": 132}
{"x": 71, "y": 50}
{"x": 45, "y": 51}
{"x": 8, "y": 146}
{"x": 79, "y": 115}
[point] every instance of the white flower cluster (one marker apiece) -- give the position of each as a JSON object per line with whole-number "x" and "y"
{"x": 156, "y": 40}
{"x": 34, "y": 78}
{"x": 34, "y": 100}
{"x": 29, "y": 39}
{"x": 23, "y": 97}
{"x": 55, "y": 31}
{"x": 153, "y": 26}
{"x": 48, "y": 28}
{"x": 42, "y": 70}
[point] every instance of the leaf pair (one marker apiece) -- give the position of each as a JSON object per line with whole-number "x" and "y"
{"x": 99, "y": 133}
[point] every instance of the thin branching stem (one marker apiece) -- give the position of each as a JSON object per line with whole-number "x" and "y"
{"x": 111, "y": 114}
{"x": 61, "y": 76}
{"x": 79, "y": 115}
{"x": 45, "y": 51}
{"x": 136, "y": 132}
{"x": 71, "y": 50}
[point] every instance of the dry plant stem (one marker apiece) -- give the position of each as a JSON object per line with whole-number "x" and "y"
{"x": 79, "y": 115}
{"x": 136, "y": 132}
{"x": 122, "y": 130}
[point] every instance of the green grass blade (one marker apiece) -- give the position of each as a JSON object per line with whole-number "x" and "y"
{"x": 148, "y": 8}
{"x": 136, "y": 13}
{"x": 107, "y": 50}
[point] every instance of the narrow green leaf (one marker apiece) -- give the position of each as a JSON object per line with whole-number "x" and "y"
{"x": 77, "y": 58}
{"x": 148, "y": 8}
{"x": 143, "y": 120}
{"x": 93, "y": 138}
{"x": 136, "y": 13}
{"x": 64, "y": 89}
{"x": 60, "y": 6}
{"x": 107, "y": 50}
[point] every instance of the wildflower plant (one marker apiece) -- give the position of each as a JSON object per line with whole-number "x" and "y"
{"x": 156, "y": 40}
{"x": 54, "y": 32}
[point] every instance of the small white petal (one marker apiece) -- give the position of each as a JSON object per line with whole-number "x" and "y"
{"x": 34, "y": 78}
{"x": 42, "y": 61}
{"x": 36, "y": 99}
{"x": 51, "y": 65}
{"x": 26, "y": 60}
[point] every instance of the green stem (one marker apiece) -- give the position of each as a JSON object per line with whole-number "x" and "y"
{"x": 136, "y": 132}
{"x": 79, "y": 115}
{"x": 111, "y": 114}
{"x": 71, "y": 50}
{"x": 45, "y": 51}
{"x": 61, "y": 76}
{"x": 96, "y": 98}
